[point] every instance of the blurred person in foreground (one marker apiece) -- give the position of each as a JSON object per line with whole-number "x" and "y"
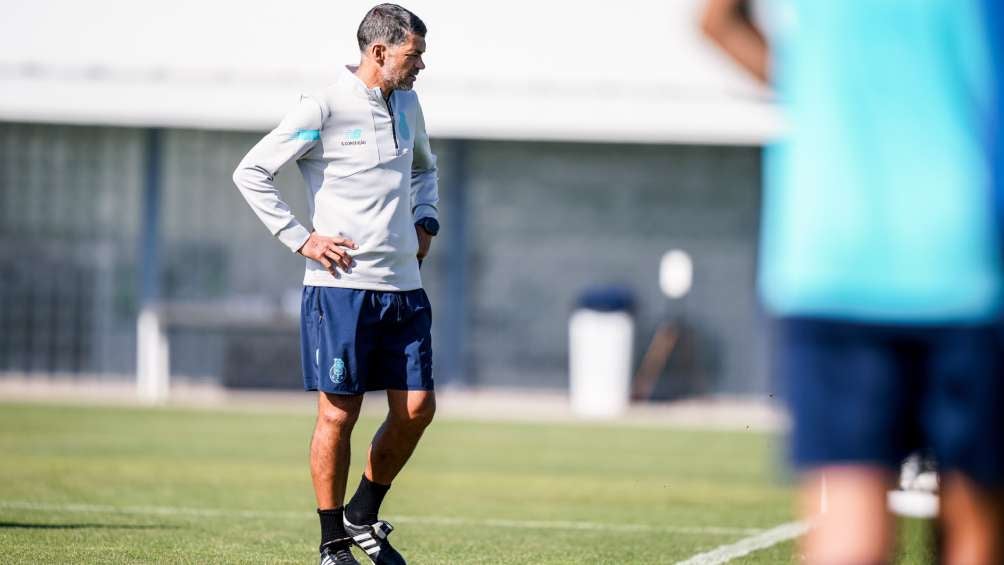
{"x": 362, "y": 148}
{"x": 881, "y": 257}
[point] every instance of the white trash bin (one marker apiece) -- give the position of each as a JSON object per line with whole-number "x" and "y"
{"x": 600, "y": 360}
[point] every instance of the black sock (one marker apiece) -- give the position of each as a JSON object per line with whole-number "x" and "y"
{"x": 365, "y": 503}
{"x": 332, "y": 527}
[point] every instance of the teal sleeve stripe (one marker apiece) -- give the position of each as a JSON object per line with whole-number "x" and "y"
{"x": 307, "y": 134}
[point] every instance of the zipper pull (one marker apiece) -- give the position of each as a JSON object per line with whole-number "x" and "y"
{"x": 393, "y": 125}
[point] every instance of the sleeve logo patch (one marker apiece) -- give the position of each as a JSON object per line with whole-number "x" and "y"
{"x": 307, "y": 135}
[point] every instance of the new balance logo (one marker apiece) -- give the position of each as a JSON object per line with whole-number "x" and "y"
{"x": 354, "y": 137}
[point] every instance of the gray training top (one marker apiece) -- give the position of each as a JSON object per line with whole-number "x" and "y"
{"x": 370, "y": 175}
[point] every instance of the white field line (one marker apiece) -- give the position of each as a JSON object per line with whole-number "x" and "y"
{"x": 745, "y": 546}
{"x": 437, "y": 520}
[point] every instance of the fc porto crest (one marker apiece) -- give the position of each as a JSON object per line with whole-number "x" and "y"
{"x": 337, "y": 371}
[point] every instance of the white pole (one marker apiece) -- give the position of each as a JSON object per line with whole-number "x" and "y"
{"x": 153, "y": 373}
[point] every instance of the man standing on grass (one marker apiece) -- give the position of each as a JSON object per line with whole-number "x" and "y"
{"x": 881, "y": 258}
{"x": 362, "y": 148}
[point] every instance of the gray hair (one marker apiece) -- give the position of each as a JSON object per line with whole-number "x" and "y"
{"x": 389, "y": 23}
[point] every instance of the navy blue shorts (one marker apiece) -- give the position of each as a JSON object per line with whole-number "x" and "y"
{"x": 871, "y": 394}
{"x": 353, "y": 341}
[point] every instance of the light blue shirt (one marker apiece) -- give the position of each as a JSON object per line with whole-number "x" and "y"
{"x": 879, "y": 205}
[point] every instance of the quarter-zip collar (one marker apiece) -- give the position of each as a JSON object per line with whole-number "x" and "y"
{"x": 375, "y": 95}
{"x": 348, "y": 73}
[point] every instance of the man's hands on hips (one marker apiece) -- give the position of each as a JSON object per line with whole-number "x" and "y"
{"x": 331, "y": 252}
{"x": 424, "y": 242}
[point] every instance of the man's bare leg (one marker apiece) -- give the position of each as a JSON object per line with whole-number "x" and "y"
{"x": 972, "y": 522}
{"x": 410, "y": 412}
{"x": 856, "y": 527}
{"x": 330, "y": 451}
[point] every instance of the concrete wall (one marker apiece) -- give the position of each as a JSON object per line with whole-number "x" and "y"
{"x": 548, "y": 220}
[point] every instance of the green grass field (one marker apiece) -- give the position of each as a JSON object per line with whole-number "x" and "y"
{"x": 118, "y": 485}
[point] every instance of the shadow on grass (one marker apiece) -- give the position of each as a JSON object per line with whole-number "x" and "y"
{"x": 30, "y": 526}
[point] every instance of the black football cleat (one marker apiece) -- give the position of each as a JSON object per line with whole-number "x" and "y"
{"x": 338, "y": 552}
{"x": 372, "y": 538}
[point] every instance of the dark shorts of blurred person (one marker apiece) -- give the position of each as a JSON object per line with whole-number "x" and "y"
{"x": 870, "y": 394}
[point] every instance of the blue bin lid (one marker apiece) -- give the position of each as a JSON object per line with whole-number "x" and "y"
{"x": 606, "y": 299}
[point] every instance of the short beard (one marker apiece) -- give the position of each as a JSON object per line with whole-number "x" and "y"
{"x": 399, "y": 84}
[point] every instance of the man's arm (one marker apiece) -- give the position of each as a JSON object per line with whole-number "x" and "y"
{"x": 424, "y": 185}
{"x": 255, "y": 178}
{"x": 725, "y": 23}
{"x": 255, "y": 175}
